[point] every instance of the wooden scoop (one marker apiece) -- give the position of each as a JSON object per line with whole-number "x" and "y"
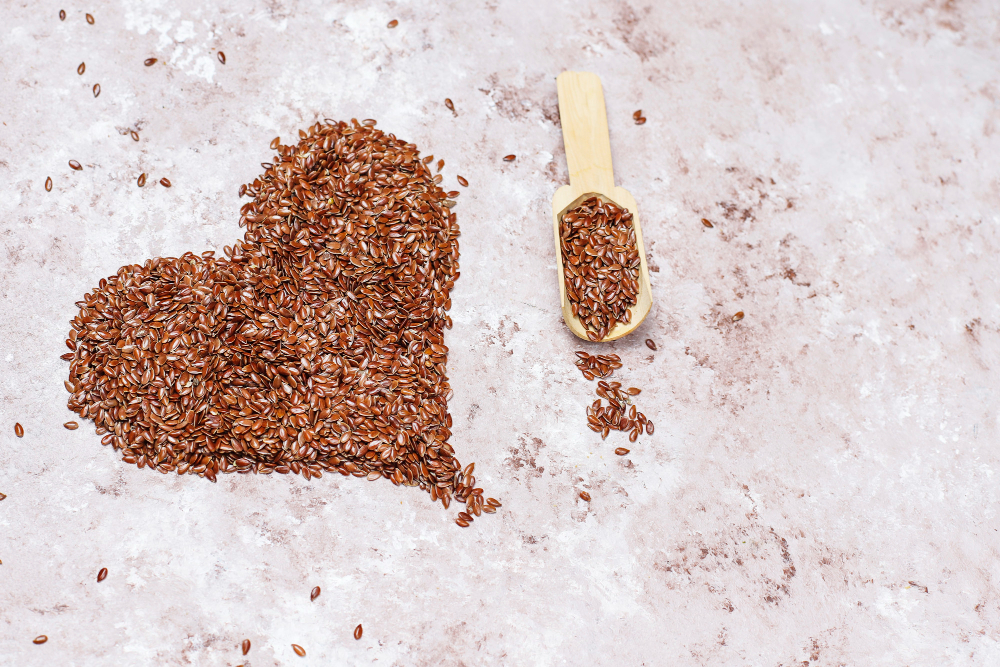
{"x": 588, "y": 154}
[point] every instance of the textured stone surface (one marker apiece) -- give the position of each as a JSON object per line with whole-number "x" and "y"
{"x": 821, "y": 485}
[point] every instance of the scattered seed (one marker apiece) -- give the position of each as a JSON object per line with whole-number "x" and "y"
{"x": 600, "y": 264}
{"x": 71, "y": 426}
{"x": 509, "y": 158}
{"x": 48, "y": 184}
{"x": 2, "y": 496}
{"x": 448, "y": 103}
{"x": 650, "y": 344}
{"x": 141, "y": 181}
{"x": 165, "y": 182}
{"x": 462, "y": 522}
{"x": 222, "y": 57}
{"x": 707, "y": 222}
{"x": 62, "y": 14}
{"x": 461, "y": 181}
{"x": 246, "y": 646}
{"x": 633, "y": 391}
{"x": 299, "y": 651}
{"x": 97, "y": 89}
{"x": 102, "y": 575}
{"x": 649, "y": 427}
{"x": 73, "y": 164}
{"x": 275, "y": 143}
{"x": 636, "y": 115}
{"x": 149, "y": 62}
{"x": 357, "y": 631}
{"x": 134, "y": 135}
{"x": 314, "y": 594}
{"x": 81, "y": 68}
{"x": 585, "y": 496}
{"x": 640, "y": 121}
{"x": 494, "y": 502}
{"x": 40, "y": 639}
{"x": 621, "y": 451}
{"x": 18, "y": 430}
{"x": 738, "y": 316}
{"x": 440, "y": 165}
{"x": 90, "y": 19}
{"x": 392, "y": 24}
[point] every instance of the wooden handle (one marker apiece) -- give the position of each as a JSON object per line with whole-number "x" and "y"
{"x": 585, "y": 132}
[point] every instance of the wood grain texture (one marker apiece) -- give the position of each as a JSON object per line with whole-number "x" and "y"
{"x": 588, "y": 155}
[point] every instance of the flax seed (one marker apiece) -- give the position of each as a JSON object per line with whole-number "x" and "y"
{"x": 585, "y": 496}
{"x": 18, "y": 430}
{"x": 650, "y": 344}
{"x": 149, "y": 62}
{"x": 165, "y": 182}
{"x": 73, "y": 164}
{"x": 640, "y": 121}
{"x": 621, "y": 451}
{"x": 71, "y": 426}
{"x": 48, "y": 184}
{"x": 222, "y": 57}
{"x": 134, "y": 135}
{"x": 738, "y": 316}
{"x": 509, "y": 158}
{"x": 275, "y": 143}
{"x": 97, "y": 89}
{"x": 461, "y": 181}
{"x": 40, "y": 639}
{"x": 391, "y": 24}
{"x": 358, "y": 631}
{"x": 245, "y": 646}
{"x": 706, "y": 222}
{"x": 315, "y": 594}
{"x": 62, "y": 14}
{"x": 90, "y": 19}
{"x": 299, "y": 651}
{"x": 81, "y": 68}
{"x": 102, "y": 575}
{"x": 141, "y": 181}
{"x": 451, "y": 105}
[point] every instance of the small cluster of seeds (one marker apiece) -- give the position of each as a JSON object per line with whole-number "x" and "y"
{"x": 598, "y": 366}
{"x": 619, "y": 414}
{"x": 318, "y": 345}
{"x": 638, "y": 117}
{"x": 600, "y": 264}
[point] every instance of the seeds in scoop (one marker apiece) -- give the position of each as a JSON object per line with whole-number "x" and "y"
{"x": 73, "y": 164}
{"x": 707, "y": 222}
{"x": 165, "y": 182}
{"x": 134, "y": 135}
{"x": 102, "y": 575}
{"x": 299, "y": 651}
{"x": 222, "y": 57}
{"x": 391, "y": 24}
{"x": 90, "y": 19}
{"x": 81, "y": 68}
{"x": 738, "y": 316}
{"x": 149, "y": 62}
{"x": 461, "y": 181}
{"x": 62, "y": 14}
{"x": 48, "y": 184}
{"x": 509, "y": 158}
{"x": 357, "y": 631}
{"x": 621, "y": 451}
{"x": 584, "y": 495}
{"x": 275, "y": 143}
{"x": 40, "y": 639}
{"x": 600, "y": 264}
{"x": 315, "y": 594}
{"x": 141, "y": 181}
{"x": 650, "y": 344}
{"x": 71, "y": 426}
{"x": 18, "y": 430}
{"x": 246, "y": 646}
{"x": 97, "y": 89}
{"x": 448, "y": 103}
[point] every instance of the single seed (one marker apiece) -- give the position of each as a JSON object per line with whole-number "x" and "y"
{"x": 71, "y": 426}
{"x": 141, "y": 181}
{"x": 357, "y": 631}
{"x": 440, "y": 165}
{"x": 275, "y": 143}
{"x": 462, "y": 522}
{"x": 509, "y": 158}
{"x": 640, "y": 121}
{"x": 73, "y": 164}
{"x": 81, "y": 68}
{"x": 134, "y": 135}
{"x": 299, "y": 651}
{"x": 636, "y": 115}
{"x": 18, "y": 430}
{"x": 165, "y": 182}
{"x": 246, "y": 646}
{"x": 40, "y": 639}
{"x": 448, "y": 103}
{"x": 222, "y": 57}
{"x": 633, "y": 391}
{"x": 62, "y": 14}
{"x": 585, "y": 496}
{"x": 2, "y": 496}
{"x": 314, "y": 594}
{"x": 738, "y": 316}
{"x": 650, "y": 344}
{"x": 102, "y": 575}
{"x": 90, "y": 19}
{"x": 392, "y": 24}
{"x": 48, "y": 184}
{"x": 97, "y": 89}
{"x": 621, "y": 451}
{"x": 461, "y": 181}
{"x": 149, "y": 62}
{"x": 707, "y": 222}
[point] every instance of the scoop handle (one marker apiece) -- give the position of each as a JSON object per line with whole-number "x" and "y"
{"x": 585, "y": 132}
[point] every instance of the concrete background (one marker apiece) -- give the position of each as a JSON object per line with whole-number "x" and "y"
{"x": 821, "y": 488}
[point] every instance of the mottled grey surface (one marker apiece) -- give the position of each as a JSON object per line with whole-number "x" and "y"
{"x": 821, "y": 488}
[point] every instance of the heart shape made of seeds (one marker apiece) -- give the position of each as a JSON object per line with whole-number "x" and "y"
{"x": 316, "y": 344}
